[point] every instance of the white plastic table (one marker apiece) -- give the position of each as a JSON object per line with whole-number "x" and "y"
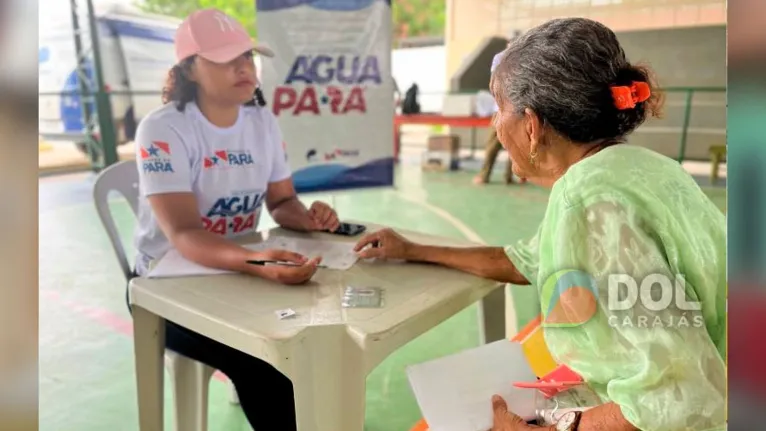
{"x": 326, "y": 350}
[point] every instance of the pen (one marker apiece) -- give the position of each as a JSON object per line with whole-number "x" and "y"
{"x": 276, "y": 262}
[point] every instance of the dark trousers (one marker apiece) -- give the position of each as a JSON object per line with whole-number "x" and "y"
{"x": 265, "y": 394}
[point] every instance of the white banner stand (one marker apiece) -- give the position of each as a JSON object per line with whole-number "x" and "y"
{"x": 331, "y": 89}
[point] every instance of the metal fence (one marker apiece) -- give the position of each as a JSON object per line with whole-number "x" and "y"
{"x": 701, "y": 113}
{"x": 693, "y": 114}
{"x": 694, "y": 118}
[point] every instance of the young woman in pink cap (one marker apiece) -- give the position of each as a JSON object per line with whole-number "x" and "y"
{"x": 208, "y": 160}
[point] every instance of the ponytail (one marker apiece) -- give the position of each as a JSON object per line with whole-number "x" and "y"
{"x": 178, "y": 87}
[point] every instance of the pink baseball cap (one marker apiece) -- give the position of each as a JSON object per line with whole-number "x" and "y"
{"x": 214, "y": 36}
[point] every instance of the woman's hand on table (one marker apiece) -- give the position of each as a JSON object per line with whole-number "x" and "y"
{"x": 505, "y": 420}
{"x": 323, "y": 217}
{"x": 384, "y": 244}
{"x": 302, "y": 272}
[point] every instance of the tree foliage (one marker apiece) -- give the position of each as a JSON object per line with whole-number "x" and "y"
{"x": 411, "y": 17}
{"x": 242, "y": 10}
{"x": 414, "y": 18}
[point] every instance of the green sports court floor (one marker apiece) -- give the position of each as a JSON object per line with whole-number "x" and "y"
{"x": 86, "y": 353}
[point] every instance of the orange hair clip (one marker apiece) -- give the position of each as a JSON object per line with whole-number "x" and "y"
{"x": 626, "y": 96}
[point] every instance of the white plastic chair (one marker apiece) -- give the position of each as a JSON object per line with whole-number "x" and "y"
{"x": 190, "y": 379}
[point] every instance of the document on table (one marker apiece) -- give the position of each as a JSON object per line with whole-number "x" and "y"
{"x": 175, "y": 265}
{"x": 455, "y": 392}
{"x": 335, "y": 255}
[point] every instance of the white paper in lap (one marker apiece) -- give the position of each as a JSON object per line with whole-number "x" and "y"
{"x": 455, "y": 392}
{"x": 335, "y": 255}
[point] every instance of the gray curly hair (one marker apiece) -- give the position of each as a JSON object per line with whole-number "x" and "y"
{"x": 563, "y": 70}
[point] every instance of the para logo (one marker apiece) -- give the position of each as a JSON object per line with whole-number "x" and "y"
{"x": 156, "y": 158}
{"x": 568, "y": 298}
{"x": 343, "y": 79}
{"x": 226, "y": 158}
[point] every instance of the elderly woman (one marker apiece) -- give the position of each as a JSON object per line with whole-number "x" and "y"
{"x": 568, "y": 98}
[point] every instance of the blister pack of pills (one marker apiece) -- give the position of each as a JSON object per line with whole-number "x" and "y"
{"x": 362, "y": 297}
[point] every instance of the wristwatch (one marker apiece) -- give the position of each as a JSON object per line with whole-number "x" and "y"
{"x": 569, "y": 421}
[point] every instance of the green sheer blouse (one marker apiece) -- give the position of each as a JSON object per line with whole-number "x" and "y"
{"x": 628, "y": 210}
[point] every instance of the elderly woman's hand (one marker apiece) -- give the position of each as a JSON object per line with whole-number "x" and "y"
{"x": 384, "y": 244}
{"x": 504, "y": 420}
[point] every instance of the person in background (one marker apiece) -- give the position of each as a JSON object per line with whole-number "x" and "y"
{"x": 568, "y": 99}
{"x": 209, "y": 160}
{"x": 493, "y": 145}
{"x": 410, "y": 104}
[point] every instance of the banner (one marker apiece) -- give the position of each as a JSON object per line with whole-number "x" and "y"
{"x": 331, "y": 89}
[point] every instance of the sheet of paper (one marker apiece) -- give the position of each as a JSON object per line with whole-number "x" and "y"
{"x": 455, "y": 392}
{"x": 335, "y": 255}
{"x": 175, "y": 265}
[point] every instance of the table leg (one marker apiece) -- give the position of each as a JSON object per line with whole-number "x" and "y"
{"x": 329, "y": 380}
{"x": 149, "y": 345}
{"x": 492, "y": 316}
{"x": 473, "y": 144}
{"x": 397, "y": 142}
{"x": 511, "y": 319}
{"x": 715, "y": 163}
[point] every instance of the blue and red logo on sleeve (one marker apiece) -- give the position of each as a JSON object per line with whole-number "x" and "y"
{"x": 156, "y": 158}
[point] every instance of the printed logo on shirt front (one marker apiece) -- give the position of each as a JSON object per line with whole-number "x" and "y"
{"x": 233, "y": 214}
{"x": 228, "y": 159}
{"x": 156, "y": 158}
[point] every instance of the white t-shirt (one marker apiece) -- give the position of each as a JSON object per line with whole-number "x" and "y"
{"x": 227, "y": 169}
